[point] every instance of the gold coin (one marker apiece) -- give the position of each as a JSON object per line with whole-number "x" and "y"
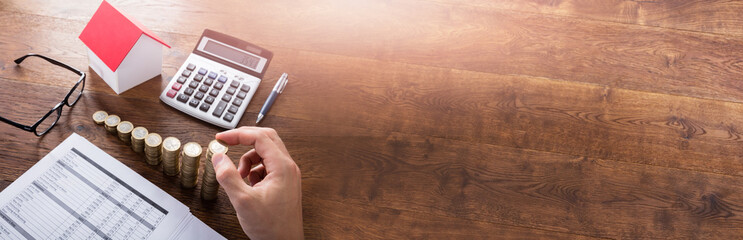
{"x": 153, "y": 140}
{"x": 139, "y": 132}
{"x": 112, "y": 120}
{"x": 125, "y": 127}
{"x": 192, "y": 149}
{"x": 99, "y": 117}
{"x": 171, "y": 144}
{"x": 217, "y": 146}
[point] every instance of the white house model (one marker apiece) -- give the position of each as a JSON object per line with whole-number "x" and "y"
{"x": 122, "y": 51}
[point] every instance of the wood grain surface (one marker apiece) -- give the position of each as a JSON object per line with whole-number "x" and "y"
{"x": 437, "y": 118}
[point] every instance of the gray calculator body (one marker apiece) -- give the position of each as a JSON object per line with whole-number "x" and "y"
{"x": 218, "y": 79}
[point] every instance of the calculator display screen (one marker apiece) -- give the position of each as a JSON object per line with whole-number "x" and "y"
{"x": 239, "y": 57}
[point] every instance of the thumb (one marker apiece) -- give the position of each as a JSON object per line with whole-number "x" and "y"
{"x": 228, "y": 176}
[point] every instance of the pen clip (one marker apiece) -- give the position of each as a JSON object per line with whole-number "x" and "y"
{"x": 282, "y": 81}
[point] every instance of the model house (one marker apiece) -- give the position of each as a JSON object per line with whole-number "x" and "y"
{"x": 121, "y": 50}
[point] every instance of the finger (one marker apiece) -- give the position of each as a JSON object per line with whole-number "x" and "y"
{"x": 257, "y": 174}
{"x": 274, "y": 157}
{"x": 247, "y": 161}
{"x": 274, "y": 136}
{"x": 228, "y": 177}
{"x": 250, "y": 136}
{"x": 231, "y": 139}
{"x": 243, "y": 135}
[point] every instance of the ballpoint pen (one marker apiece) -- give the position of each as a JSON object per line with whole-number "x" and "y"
{"x": 277, "y": 89}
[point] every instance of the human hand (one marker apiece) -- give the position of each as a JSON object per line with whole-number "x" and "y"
{"x": 272, "y": 207}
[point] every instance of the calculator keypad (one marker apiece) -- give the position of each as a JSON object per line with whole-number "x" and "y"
{"x": 182, "y": 97}
{"x": 202, "y": 91}
{"x": 193, "y": 84}
{"x": 204, "y": 107}
{"x": 228, "y": 117}
{"x": 220, "y": 109}
{"x": 171, "y": 93}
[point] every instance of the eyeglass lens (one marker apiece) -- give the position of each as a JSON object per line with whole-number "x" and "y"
{"x": 49, "y": 121}
{"x": 75, "y": 94}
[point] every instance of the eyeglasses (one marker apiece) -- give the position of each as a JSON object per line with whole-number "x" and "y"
{"x": 47, "y": 122}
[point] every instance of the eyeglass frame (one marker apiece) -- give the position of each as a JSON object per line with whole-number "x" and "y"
{"x": 59, "y": 105}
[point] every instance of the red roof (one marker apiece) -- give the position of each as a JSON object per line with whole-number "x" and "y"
{"x": 110, "y": 34}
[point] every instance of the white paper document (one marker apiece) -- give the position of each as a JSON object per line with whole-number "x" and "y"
{"x": 77, "y": 191}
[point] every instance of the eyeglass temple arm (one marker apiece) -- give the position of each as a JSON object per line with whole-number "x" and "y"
{"x": 15, "y": 124}
{"x": 55, "y": 62}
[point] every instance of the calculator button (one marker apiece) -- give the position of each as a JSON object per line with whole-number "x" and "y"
{"x": 181, "y": 79}
{"x": 219, "y": 109}
{"x": 228, "y": 117}
{"x": 204, "y": 88}
{"x": 231, "y": 90}
{"x": 234, "y": 84}
{"x": 182, "y": 97}
{"x": 245, "y": 87}
{"x": 177, "y": 86}
{"x": 241, "y": 95}
{"x": 214, "y": 92}
{"x": 199, "y": 95}
{"x": 237, "y": 102}
{"x": 212, "y": 75}
{"x": 232, "y": 109}
{"x": 186, "y": 73}
{"x": 202, "y": 71}
{"x": 171, "y": 93}
{"x": 222, "y": 79}
{"x": 198, "y": 77}
{"x": 193, "y": 84}
{"x": 188, "y": 91}
{"x": 209, "y": 81}
{"x": 194, "y": 102}
{"x": 209, "y": 99}
{"x": 204, "y": 107}
{"x": 218, "y": 85}
{"x": 191, "y": 67}
{"x": 226, "y": 97}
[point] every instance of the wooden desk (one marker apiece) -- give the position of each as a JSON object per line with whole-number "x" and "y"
{"x": 439, "y": 119}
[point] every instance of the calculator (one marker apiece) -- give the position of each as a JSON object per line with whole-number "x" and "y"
{"x": 218, "y": 79}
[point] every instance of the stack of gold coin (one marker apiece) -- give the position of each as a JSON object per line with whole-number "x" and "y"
{"x": 137, "y": 139}
{"x": 152, "y": 148}
{"x": 171, "y": 150}
{"x": 209, "y": 184}
{"x": 190, "y": 161}
{"x": 112, "y": 121}
{"x": 99, "y": 117}
{"x": 125, "y": 131}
